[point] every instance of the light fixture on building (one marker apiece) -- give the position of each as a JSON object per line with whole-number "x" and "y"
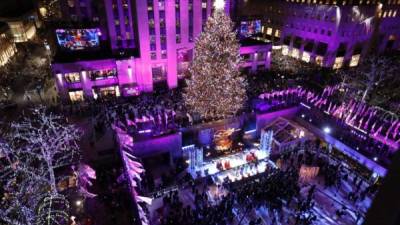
{"x": 327, "y": 130}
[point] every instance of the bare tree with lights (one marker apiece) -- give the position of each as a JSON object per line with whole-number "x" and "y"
{"x": 216, "y": 88}
{"x": 372, "y": 73}
{"x": 33, "y": 149}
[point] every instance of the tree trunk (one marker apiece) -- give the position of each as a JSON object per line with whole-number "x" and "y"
{"x": 365, "y": 94}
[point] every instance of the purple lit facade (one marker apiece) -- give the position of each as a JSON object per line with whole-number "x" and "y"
{"x": 162, "y": 32}
{"x": 330, "y": 33}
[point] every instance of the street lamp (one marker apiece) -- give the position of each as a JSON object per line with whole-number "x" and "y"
{"x": 327, "y": 130}
{"x": 78, "y": 203}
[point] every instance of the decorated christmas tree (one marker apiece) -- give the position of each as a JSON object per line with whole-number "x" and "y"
{"x": 216, "y": 88}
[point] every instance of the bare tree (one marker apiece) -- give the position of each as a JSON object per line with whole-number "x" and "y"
{"x": 372, "y": 72}
{"x": 34, "y": 148}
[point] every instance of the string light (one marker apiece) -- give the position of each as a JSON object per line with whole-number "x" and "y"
{"x": 216, "y": 89}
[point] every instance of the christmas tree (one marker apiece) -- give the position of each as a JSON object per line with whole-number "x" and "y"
{"x": 216, "y": 88}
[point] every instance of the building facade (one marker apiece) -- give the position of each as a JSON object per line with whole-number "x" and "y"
{"x": 7, "y": 46}
{"x": 161, "y": 32}
{"x": 330, "y": 33}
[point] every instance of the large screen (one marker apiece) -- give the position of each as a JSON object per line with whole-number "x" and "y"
{"x": 248, "y": 28}
{"x": 78, "y": 39}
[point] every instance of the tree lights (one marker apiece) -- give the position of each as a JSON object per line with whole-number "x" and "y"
{"x": 216, "y": 89}
{"x": 34, "y": 148}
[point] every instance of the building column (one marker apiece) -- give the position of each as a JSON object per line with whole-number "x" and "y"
{"x": 86, "y": 84}
{"x": 60, "y": 85}
{"x": 172, "y": 74}
{"x": 301, "y": 50}
{"x": 330, "y": 55}
{"x": 349, "y": 54}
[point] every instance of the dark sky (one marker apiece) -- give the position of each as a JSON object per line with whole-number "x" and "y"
{"x": 14, "y": 8}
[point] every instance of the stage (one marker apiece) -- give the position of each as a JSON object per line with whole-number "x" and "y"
{"x": 234, "y": 167}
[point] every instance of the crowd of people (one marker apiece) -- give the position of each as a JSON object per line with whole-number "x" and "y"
{"x": 203, "y": 212}
{"x": 274, "y": 190}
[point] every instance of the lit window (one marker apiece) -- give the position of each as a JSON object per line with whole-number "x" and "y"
{"x": 204, "y": 5}
{"x": 76, "y": 96}
{"x": 164, "y": 54}
{"x": 319, "y": 60}
{"x": 116, "y": 22}
{"x": 269, "y": 30}
{"x": 338, "y": 63}
{"x": 354, "y": 60}
{"x": 158, "y": 72}
{"x": 306, "y": 57}
{"x": 295, "y": 53}
{"x": 153, "y": 55}
{"x": 277, "y": 33}
{"x": 72, "y": 77}
{"x": 285, "y": 50}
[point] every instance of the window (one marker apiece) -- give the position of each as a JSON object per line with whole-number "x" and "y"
{"x": 260, "y": 56}
{"x": 162, "y": 14}
{"x": 164, "y": 54}
{"x": 354, "y": 60}
{"x": 278, "y": 33}
{"x": 246, "y": 57}
{"x": 158, "y": 73}
{"x": 102, "y": 74}
{"x": 151, "y": 23}
{"x": 152, "y": 46}
{"x": 161, "y": 5}
{"x": 152, "y": 31}
{"x": 329, "y": 33}
{"x": 162, "y": 23}
{"x": 269, "y": 30}
{"x": 151, "y": 15}
{"x": 153, "y": 55}
{"x": 338, "y": 63}
{"x": 163, "y": 31}
{"x": 106, "y": 91}
{"x": 76, "y": 96}
{"x": 163, "y": 41}
{"x": 204, "y": 14}
{"x": 178, "y": 38}
{"x": 72, "y": 77}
